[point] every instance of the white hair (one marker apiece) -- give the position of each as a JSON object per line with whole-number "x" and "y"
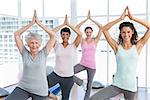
{"x": 33, "y": 36}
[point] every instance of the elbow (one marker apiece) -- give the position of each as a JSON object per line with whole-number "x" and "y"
{"x": 79, "y": 34}
{"x": 52, "y": 36}
{"x": 77, "y": 27}
{"x": 104, "y": 29}
{"x": 16, "y": 34}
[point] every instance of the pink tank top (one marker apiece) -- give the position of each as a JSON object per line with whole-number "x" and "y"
{"x": 88, "y": 55}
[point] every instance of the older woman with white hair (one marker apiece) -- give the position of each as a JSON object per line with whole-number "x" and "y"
{"x": 34, "y": 81}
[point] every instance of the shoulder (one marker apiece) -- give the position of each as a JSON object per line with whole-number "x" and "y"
{"x": 43, "y": 51}
{"x": 25, "y": 50}
{"x": 139, "y": 47}
{"x": 56, "y": 44}
{"x": 72, "y": 45}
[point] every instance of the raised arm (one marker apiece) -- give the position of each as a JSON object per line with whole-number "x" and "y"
{"x": 110, "y": 40}
{"x": 146, "y": 36}
{"x": 76, "y": 30}
{"x": 18, "y": 33}
{"x": 97, "y": 38}
{"x": 51, "y": 34}
{"x": 58, "y": 28}
{"x": 81, "y": 23}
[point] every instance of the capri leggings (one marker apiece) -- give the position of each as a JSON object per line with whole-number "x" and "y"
{"x": 20, "y": 94}
{"x": 111, "y": 91}
{"x": 90, "y": 74}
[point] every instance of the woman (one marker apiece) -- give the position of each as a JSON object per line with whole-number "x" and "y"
{"x": 87, "y": 62}
{"x": 33, "y": 82}
{"x": 63, "y": 70}
{"x": 127, "y": 51}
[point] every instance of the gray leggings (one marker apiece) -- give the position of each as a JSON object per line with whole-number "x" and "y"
{"x": 90, "y": 75}
{"x": 20, "y": 94}
{"x": 111, "y": 91}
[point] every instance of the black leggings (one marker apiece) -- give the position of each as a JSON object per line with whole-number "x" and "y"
{"x": 66, "y": 84}
{"x": 20, "y": 94}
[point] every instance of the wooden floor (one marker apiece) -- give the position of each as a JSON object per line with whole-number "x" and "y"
{"x": 142, "y": 94}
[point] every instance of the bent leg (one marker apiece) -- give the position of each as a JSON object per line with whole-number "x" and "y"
{"x": 37, "y": 97}
{"x": 18, "y": 94}
{"x": 106, "y": 93}
{"x": 52, "y": 79}
{"x": 78, "y": 68}
{"x": 77, "y": 80}
{"x": 128, "y": 95}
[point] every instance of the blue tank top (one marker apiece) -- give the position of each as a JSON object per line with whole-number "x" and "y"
{"x": 125, "y": 77}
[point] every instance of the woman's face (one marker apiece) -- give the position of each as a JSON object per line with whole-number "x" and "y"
{"x": 88, "y": 32}
{"x": 126, "y": 34}
{"x": 34, "y": 45}
{"x": 65, "y": 36}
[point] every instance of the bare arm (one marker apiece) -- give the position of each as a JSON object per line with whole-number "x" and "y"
{"x": 76, "y": 30}
{"x": 110, "y": 40}
{"x": 18, "y": 33}
{"x": 97, "y": 38}
{"x": 146, "y": 36}
{"x": 78, "y": 27}
{"x": 60, "y": 26}
{"x": 51, "y": 34}
{"x": 79, "y": 35}
{"x": 57, "y": 28}
{"x": 80, "y": 24}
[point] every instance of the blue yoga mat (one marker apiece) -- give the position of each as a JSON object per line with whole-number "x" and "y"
{"x": 55, "y": 89}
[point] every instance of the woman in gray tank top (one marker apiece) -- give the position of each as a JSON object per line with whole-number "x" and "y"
{"x": 34, "y": 81}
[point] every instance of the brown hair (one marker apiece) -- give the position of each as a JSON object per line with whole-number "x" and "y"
{"x": 134, "y": 36}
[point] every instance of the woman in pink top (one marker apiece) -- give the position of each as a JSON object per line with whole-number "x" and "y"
{"x": 88, "y": 56}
